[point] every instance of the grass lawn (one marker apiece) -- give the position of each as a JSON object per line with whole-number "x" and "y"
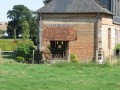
{"x": 7, "y": 44}
{"x": 14, "y": 76}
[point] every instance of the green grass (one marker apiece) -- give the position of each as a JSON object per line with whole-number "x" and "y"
{"x": 7, "y": 44}
{"x": 65, "y": 76}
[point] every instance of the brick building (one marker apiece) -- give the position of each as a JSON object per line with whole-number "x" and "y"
{"x": 78, "y": 27}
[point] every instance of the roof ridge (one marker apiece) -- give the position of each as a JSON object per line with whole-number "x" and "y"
{"x": 70, "y": 6}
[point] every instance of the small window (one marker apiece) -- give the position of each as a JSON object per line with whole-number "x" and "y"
{"x": 116, "y": 36}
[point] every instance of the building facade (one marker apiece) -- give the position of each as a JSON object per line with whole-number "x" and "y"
{"x": 78, "y": 27}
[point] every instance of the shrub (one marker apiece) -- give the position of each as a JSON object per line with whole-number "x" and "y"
{"x": 37, "y": 57}
{"x": 117, "y": 46}
{"x": 24, "y": 50}
{"x": 20, "y": 59}
{"x": 74, "y": 58}
{"x": 117, "y": 50}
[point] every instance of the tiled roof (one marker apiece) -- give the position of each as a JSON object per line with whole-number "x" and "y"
{"x": 73, "y": 6}
{"x": 59, "y": 33}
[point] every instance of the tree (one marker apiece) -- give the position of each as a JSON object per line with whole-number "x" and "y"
{"x": 34, "y": 30}
{"x": 34, "y": 26}
{"x": 18, "y": 14}
{"x": 25, "y": 30}
{"x": 10, "y": 27}
{"x": 46, "y": 1}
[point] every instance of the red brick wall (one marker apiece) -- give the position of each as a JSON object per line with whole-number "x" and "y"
{"x": 84, "y": 47}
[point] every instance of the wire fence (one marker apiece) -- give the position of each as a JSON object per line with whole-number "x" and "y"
{"x": 34, "y": 57}
{"x": 7, "y": 54}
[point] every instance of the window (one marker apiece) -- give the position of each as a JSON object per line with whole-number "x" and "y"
{"x": 100, "y": 40}
{"x": 117, "y": 36}
{"x": 116, "y": 7}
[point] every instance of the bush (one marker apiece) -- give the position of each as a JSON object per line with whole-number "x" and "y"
{"x": 20, "y": 59}
{"x": 38, "y": 57}
{"x": 117, "y": 46}
{"x": 24, "y": 50}
{"x": 117, "y": 50}
{"x": 74, "y": 58}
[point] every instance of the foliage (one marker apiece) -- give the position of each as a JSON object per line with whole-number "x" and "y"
{"x": 19, "y": 15}
{"x": 24, "y": 50}
{"x": 117, "y": 46}
{"x": 13, "y": 28}
{"x": 24, "y": 47}
{"x": 34, "y": 30}
{"x": 37, "y": 57}
{"x": 34, "y": 26}
{"x": 19, "y": 12}
{"x": 46, "y": 1}
{"x": 25, "y": 30}
{"x": 20, "y": 59}
{"x": 74, "y": 58}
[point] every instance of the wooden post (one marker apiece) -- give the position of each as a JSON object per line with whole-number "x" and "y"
{"x": 33, "y": 57}
{"x": 15, "y": 34}
{"x": 68, "y": 52}
{"x": 110, "y": 58}
{"x": 97, "y": 56}
{"x": 68, "y": 55}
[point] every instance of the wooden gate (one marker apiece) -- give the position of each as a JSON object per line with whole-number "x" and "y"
{"x": 7, "y": 54}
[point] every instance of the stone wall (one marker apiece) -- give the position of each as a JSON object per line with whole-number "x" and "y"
{"x": 85, "y": 45}
{"x": 107, "y": 23}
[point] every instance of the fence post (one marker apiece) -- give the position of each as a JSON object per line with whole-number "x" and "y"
{"x": 110, "y": 58}
{"x": 97, "y": 56}
{"x": 68, "y": 55}
{"x": 33, "y": 57}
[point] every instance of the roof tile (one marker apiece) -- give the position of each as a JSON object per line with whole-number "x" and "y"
{"x": 73, "y": 6}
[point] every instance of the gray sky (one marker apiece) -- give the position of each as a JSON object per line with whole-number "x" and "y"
{"x": 6, "y": 5}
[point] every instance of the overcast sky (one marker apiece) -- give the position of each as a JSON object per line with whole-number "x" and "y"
{"x": 6, "y": 5}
